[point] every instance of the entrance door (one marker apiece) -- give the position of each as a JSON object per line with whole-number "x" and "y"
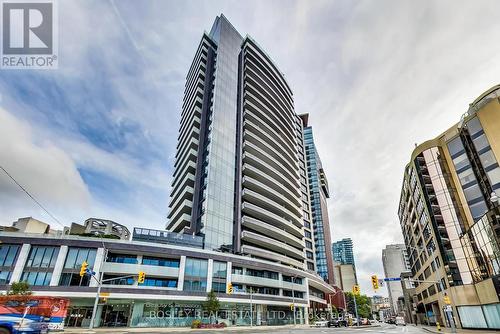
{"x": 115, "y": 315}
{"x": 78, "y": 315}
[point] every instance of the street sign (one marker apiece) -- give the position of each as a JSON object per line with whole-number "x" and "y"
{"x": 381, "y": 282}
{"x": 390, "y": 279}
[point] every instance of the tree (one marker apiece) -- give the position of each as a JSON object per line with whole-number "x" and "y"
{"x": 363, "y": 302}
{"x": 20, "y": 289}
{"x": 212, "y": 304}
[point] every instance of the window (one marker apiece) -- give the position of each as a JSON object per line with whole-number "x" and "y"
{"x": 308, "y": 234}
{"x": 121, "y": 258}
{"x": 71, "y": 271}
{"x": 296, "y": 280}
{"x": 264, "y": 290}
{"x": 8, "y": 254}
{"x": 494, "y": 176}
{"x": 195, "y": 276}
{"x": 42, "y": 257}
{"x": 455, "y": 146}
{"x": 38, "y": 268}
{"x": 310, "y": 266}
{"x": 118, "y": 280}
{"x": 4, "y": 277}
{"x": 36, "y": 278}
{"x": 309, "y": 255}
{"x": 157, "y": 261}
{"x": 288, "y": 293}
{"x": 481, "y": 142}
{"x": 487, "y": 159}
{"x": 76, "y": 256}
{"x": 467, "y": 176}
{"x": 309, "y": 244}
{"x": 160, "y": 282}
{"x": 219, "y": 277}
{"x": 262, "y": 273}
{"x": 237, "y": 270}
{"x": 461, "y": 161}
{"x": 474, "y": 126}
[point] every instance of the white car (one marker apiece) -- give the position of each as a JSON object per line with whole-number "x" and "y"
{"x": 321, "y": 323}
{"x": 400, "y": 321}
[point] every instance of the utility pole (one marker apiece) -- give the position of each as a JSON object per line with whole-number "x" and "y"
{"x": 251, "y": 312}
{"x": 356, "y": 309}
{"x": 293, "y": 301}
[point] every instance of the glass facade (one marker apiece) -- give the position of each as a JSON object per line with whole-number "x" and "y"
{"x": 318, "y": 190}
{"x": 219, "y": 277}
{"x": 74, "y": 259}
{"x": 342, "y": 251}
{"x": 158, "y": 261}
{"x": 195, "y": 276}
{"x": 39, "y": 265}
{"x": 8, "y": 255}
{"x": 217, "y": 198}
{"x": 482, "y": 246}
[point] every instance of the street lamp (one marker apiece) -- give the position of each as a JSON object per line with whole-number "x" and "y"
{"x": 494, "y": 198}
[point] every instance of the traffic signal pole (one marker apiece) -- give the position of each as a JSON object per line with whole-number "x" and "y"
{"x": 356, "y": 310}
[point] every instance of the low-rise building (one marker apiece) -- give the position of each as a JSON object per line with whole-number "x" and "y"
{"x": 177, "y": 281}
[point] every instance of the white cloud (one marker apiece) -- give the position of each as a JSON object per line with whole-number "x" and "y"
{"x": 47, "y": 171}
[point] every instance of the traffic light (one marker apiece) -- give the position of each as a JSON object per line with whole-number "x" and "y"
{"x": 141, "y": 277}
{"x": 374, "y": 282}
{"x": 83, "y": 268}
{"x": 447, "y": 299}
{"x": 229, "y": 288}
{"x": 292, "y": 306}
{"x": 355, "y": 289}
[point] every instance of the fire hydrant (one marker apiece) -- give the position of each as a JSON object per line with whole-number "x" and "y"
{"x": 438, "y": 326}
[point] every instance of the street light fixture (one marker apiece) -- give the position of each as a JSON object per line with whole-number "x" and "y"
{"x": 494, "y": 198}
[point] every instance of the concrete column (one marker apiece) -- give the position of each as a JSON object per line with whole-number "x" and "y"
{"x": 306, "y": 295}
{"x": 258, "y": 315}
{"x": 58, "y": 267}
{"x": 22, "y": 257}
{"x": 229, "y": 269}
{"x": 98, "y": 264}
{"x": 182, "y": 270}
{"x": 210, "y": 273}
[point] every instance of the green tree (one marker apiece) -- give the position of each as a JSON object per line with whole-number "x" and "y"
{"x": 212, "y": 304}
{"x": 363, "y": 303}
{"x": 19, "y": 289}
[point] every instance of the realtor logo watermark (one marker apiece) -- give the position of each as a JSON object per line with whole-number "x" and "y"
{"x": 29, "y": 34}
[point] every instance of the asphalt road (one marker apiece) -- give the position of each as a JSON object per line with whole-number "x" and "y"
{"x": 384, "y": 328}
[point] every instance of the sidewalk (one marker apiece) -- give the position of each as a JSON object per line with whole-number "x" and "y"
{"x": 433, "y": 329}
{"x": 175, "y": 329}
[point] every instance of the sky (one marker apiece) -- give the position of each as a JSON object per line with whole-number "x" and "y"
{"x": 97, "y": 136}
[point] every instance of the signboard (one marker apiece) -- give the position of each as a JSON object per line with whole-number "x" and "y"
{"x": 391, "y": 279}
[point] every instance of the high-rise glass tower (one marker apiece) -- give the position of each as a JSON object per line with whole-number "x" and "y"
{"x": 342, "y": 251}
{"x": 240, "y": 177}
{"x": 319, "y": 192}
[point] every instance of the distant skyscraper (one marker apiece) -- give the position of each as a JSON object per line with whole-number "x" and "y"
{"x": 240, "y": 175}
{"x": 342, "y": 251}
{"x": 319, "y": 192}
{"x": 395, "y": 261}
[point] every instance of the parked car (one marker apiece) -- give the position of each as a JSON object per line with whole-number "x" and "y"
{"x": 400, "y": 321}
{"x": 321, "y": 323}
{"x": 337, "y": 323}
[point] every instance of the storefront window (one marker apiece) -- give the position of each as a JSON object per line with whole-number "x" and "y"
{"x": 158, "y": 261}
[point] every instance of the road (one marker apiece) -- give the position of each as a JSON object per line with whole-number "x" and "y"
{"x": 384, "y": 328}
